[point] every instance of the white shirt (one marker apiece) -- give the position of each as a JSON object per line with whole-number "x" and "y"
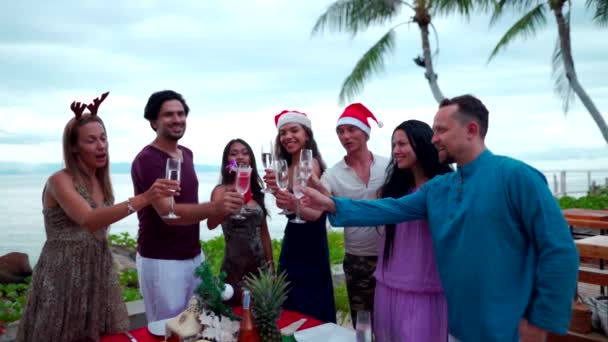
{"x": 342, "y": 181}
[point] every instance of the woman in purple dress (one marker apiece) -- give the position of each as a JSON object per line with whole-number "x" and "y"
{"x": 409, "y": 301}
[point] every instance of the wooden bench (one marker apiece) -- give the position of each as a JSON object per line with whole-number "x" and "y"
{"x": 590, "y": 275}
{"x": 595, "y": 247}
{"x": 591, "y": 224}
{"x": 588, "y": 225}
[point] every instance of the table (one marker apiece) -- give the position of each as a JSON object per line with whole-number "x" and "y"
{"x": 586, "y": 218}
{"x": 142, "y": 334}
{"x": 593, "y": 247}
{"x": 586, "y": 214}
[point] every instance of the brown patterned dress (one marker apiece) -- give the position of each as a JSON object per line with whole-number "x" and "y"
{"x": 75, "y": 294}
{"x": 243, "y": 252}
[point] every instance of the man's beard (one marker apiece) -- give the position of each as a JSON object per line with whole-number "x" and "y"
{"x": 175, "y": 137}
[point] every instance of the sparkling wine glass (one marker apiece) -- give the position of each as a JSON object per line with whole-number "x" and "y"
{"x": 299, "y": 183}
{"x": 173, "y": 172}
{"x": 363, "y": 327}
{"x": 243, "y": 179}
{"x": 267, "y": 159}
{"x": 306, "y": 162}
{"x": 281, "y": 171}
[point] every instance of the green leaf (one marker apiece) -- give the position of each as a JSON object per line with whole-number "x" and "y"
{"x": 600, "y": 11}
{"x": 371, "y": 62}
{"x": 356, "y": 15}
{"x": 461, "y": 7}
{"x": 525, "y": 27}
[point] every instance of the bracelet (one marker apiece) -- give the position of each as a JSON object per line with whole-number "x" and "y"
{"x": 130, "y": 208}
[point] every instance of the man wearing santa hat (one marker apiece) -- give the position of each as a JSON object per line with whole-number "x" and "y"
{"x": 358, "y": 175}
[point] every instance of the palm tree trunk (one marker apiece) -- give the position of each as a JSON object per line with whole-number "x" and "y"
{"x": 564, "y": 39}
{"x": 428, "y": 62}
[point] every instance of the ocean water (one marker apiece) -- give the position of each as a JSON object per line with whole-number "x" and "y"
{"x": 22, "y": 224}
{"x": 22, "y": 229}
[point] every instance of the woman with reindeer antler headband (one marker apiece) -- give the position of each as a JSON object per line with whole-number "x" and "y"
{"x": 75, "y": 295}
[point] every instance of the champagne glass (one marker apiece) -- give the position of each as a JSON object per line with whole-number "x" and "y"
{"x": 281, "y": 171}
{"x": 173, "y": 172}
{"x": 267, "y": 160}
{"x": 299, "y": 183}
{"x": 243, "y": 179}
{"x": 364, "y": 326}
{"x": 306, "y": 162}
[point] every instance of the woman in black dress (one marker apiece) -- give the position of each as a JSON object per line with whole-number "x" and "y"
{"x": 304, "y": 253}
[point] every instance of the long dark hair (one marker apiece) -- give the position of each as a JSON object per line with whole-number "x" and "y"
{"x": 255, "y": 182}
{"x": 311, "y": 144}
{"x": 399, "y": 182}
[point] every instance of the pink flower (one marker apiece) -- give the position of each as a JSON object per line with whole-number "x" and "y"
{"x": 232, "y": 166}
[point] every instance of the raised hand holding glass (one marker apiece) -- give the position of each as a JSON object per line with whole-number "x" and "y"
{"x": 173, "y": 172}
{"x": 243, "y": 179}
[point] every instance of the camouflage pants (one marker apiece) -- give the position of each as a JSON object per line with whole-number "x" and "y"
{"x": 360, "y": 283}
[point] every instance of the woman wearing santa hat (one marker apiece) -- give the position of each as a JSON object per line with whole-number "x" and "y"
{"x": 304, "y": 253}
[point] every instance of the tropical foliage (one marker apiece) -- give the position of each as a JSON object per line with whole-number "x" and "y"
{"x": 535, "y": 13}
{"x": 356, "y": 16}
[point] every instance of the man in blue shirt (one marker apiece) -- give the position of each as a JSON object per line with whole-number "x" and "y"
{"x": 505, "y": 255}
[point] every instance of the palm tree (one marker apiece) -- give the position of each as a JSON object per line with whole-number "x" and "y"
{"x": 354, "y": 16}
{"x": 566, "y": 80}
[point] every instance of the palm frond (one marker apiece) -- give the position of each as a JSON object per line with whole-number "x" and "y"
{"x": 561, "y": 84}
{"x": 371, "y": 62}
{"x": 600, "y": 15}
{"x": 500, "y": 7}
{"x": 356, "y": 15}
{"x": 499, "y": 10}
{"x": 524, "y": 27}
{"x": 462, "y": 7}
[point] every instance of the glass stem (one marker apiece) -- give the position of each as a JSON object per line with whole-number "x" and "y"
{"x": 172, "y": 205}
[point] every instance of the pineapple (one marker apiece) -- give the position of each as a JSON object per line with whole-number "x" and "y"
{"x": 268, "y": 291}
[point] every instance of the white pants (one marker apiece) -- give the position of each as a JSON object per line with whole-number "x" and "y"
{"x": 166, "y": 285}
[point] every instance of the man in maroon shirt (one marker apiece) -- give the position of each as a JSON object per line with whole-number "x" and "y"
{"x": 169, "y": 250}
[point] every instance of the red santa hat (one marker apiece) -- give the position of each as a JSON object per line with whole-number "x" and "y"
{"x": 292, "y": 116}
{"x": 357, "y": 114}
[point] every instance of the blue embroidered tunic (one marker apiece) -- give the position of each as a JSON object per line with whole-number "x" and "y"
{"x": 502, "y": 245}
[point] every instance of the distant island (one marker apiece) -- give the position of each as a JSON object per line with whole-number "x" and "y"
{"x": 16, "y": 168}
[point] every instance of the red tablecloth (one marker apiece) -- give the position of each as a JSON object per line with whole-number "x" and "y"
{"x": 142, "y": 334}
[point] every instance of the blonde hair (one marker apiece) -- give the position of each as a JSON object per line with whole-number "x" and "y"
{"x": 70, "y": 158}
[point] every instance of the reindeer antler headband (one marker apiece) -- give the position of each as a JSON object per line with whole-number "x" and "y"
{"x": 78, "y": 108}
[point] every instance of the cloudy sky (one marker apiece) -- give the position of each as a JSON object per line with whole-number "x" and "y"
{"x": 240, "y": 62}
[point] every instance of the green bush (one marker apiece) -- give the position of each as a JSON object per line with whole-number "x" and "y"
{"x": 341, "y": 298}
{"x": 214, "y": 253}
{"x": 586, "y": 202}
{"x": 12, "y": 296}
{"x": 12, "y": 300}
{"x": 336, "y": 247}
{"x": 123, "y": 239}
{"x": 214, "y": 250}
